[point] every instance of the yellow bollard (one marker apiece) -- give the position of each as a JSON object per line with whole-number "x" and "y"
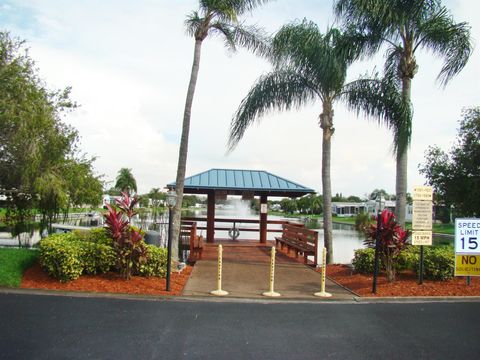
{"x": 322, "y": 292}
{"x": 270, "y": 292}
{"x": 219, "y": 291}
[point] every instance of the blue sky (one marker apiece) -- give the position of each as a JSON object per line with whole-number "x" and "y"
{"x": 129, "y": 63}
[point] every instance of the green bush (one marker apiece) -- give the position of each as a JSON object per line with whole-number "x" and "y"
{"x": 61, "y": 257}
{"x": 156, "y": 264}
{"x": 96, "y": 258}
{"x": 438, "y": 263}
{"x": 364, "y": 260}
{"x": 408, "y": 258}
{"x": 67, "y": 256}
{"x": 95, "y": 235}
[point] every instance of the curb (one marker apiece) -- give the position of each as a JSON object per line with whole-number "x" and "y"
{"x": 165, "y": 298}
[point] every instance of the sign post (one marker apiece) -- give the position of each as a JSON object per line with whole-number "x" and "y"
{"x": 422, "y": 221}
{"x": 467, "y": 248}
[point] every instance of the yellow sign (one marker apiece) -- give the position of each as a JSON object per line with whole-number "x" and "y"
{"x": 424, "y": 193}
{"x": 422, "y": 215}
{"x": 467, "y": 265}
{"x": 422, "y": 238}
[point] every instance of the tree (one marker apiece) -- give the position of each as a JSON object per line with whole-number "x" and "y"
{"x": 126, "y": 181}
{"x": 157, "y": 197}
{"x": 406, "y": 27}
{"x": 288, "y": 205}
{"x": 455, "y": 176}
{"x": 310, "y": 66}
{"x": 375, "y": 193}
{"x": 214, "y": 17}
{"x": 35, "y": 145}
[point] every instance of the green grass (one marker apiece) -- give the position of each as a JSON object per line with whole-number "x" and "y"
{"x": 13, "y": 262}
{"x": 344, "y": 220}
{"x": 437, "y": 228}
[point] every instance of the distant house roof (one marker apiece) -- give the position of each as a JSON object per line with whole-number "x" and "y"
{"x": 237, "y": 182}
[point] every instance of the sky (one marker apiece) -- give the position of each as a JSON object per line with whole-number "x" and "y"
{"x": 129, "y": 62}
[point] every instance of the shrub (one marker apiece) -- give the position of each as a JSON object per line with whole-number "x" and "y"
{"x": 408, "y": 258}
{"x": 364, "y": 260}
{"x": 95, "y": 235}
{"x": 438, "y": 263}
{"x": 156, "y": 264}
{"x": 393, "y": 239}
{"x": 61, "y": 257}
{"x": 128, "y": 243}
{"x": 96, "y": 258}
{"x": 67, "y": 256}
{"x": 362, "y": 221}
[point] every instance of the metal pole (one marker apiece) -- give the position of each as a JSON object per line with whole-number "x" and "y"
{"x": 469, "y": 280}
{"x": 169, "y": 247}
{"x": 420, "y": 275}
{"x": 377, "y": 244}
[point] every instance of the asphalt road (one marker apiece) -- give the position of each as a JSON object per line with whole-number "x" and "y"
{"x": 56, "y": 327}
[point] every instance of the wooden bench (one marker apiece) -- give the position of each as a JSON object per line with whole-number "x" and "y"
{"x": 301, "y": 240}
{"x": 188, "y": 232}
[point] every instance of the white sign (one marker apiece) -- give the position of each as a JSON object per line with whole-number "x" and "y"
{"x": 467, "y": 236}
{"x": 422, "y": 193}
{"x": 422, "y": 215}
{"x": 422, "y": 238}
{"x": 263, "y": 208}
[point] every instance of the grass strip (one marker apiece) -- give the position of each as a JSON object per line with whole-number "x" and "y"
{"x": 13, "y": 262}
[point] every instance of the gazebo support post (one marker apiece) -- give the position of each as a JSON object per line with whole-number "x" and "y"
{"x": 210, "y": 217}
{"x": 263, "y": 219}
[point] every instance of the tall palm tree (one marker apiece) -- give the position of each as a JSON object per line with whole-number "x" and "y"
{"x": 310, "y": 66}
{"x": 407, "y": 26}
{"x": 214, "y": 17}
{"x": 126, "y": 181}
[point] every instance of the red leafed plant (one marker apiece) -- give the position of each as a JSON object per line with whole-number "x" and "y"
{"x": 127, "y": 241}
{"x": 393, "y": 239}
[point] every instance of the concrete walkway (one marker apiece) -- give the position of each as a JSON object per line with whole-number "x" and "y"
{"x": 249, "y": 279}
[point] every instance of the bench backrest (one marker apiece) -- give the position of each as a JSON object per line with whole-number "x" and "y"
{"x": 300, "y": 234}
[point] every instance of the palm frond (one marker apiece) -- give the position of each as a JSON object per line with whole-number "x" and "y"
{"x": 229, "y": 10}
{"x": 448, "y": 40}
{"x": 250, "y": 37}
{"x": 192, "y": 23}
{"x": 381, "y": 99}
{"x": 317, "y": 56}
{"x": 281, "y": 89}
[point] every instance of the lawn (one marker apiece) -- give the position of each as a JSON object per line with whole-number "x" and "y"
{"x": 437, "y": 228}
{"x": 13, "y": 263}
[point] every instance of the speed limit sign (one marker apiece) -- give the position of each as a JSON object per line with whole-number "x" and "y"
{"x": 467, "y": 247}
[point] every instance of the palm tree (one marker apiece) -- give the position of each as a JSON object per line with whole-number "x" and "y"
{"x": 214, "y": 17}
{"x": 406, "y": 27}
{"x": 310, "y": 66}
{"x": 125, "y": 181}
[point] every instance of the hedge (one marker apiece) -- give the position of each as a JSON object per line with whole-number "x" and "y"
{"x": 67, "y": 256}
{"x": 439, "y": 261}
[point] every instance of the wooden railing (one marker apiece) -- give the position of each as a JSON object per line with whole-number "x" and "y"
{"x": 233, "y": 223}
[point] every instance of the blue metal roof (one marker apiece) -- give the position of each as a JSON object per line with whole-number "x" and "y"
{"x": 243, "y": 180}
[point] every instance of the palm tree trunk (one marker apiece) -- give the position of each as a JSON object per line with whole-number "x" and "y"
{"x": 326, "y": 123}
{"x": 402, "y": 163}
{"x": 183, "y": 151}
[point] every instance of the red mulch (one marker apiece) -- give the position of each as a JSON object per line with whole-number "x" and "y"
{"x": 406, "y": 284}
{"x": 36, "y": 278}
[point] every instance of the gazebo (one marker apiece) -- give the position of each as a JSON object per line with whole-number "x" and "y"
{"x": 219, "y": 183}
